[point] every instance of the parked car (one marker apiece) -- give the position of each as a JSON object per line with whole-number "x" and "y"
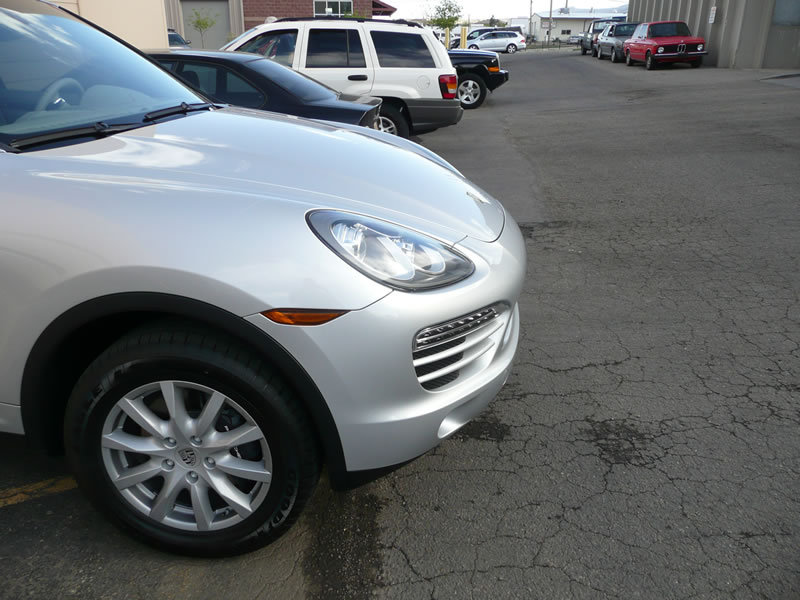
{"x": 575, "y": 38}
{"x": 610, "y": 41}
{"x": 663, "y": 42}
{"x": 176, "y": 40}
{"x": 252, "y": 81}
{"x": 478, "y": 73}
{"x": 499, "y": 41}
{"x": 203, "y": 305}
{"x": 589, "y": 37}
{"x": 400, "y": 62}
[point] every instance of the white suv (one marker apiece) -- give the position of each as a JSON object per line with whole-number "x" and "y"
{"x": 399, "y": 61}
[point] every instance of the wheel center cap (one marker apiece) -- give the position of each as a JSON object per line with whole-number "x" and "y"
{"x": 188, "y": 456}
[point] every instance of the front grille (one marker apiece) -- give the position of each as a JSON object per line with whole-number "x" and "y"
{"x": 671, "y": 48}
{"x": 443, "y": 351}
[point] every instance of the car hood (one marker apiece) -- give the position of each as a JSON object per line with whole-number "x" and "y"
{"x": 239, "y": 154}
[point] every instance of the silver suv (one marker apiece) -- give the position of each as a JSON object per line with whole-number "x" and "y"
{"x": 203, "y": 305}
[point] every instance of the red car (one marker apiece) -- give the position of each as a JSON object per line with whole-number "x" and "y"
{"x": 664, "y": 42}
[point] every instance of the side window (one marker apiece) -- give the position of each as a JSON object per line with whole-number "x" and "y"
{"x": 239, "y": 92}
{"x": 334, "y": 48}
{"x": 220, "y": 84}
{"x": 277, "y": 45}
{"x": 200, "y": 76}
{"x": 402, "y": 50}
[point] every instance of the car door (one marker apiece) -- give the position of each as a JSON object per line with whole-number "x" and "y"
{"x": 335, "y": 56}
{"x": 637, "y": 45}
{"x": 489, "y": 41}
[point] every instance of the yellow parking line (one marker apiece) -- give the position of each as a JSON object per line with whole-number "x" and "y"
{"x": 36, "y": 490}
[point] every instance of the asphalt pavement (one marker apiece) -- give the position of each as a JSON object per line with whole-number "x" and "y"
{"x": 647, "y": 444}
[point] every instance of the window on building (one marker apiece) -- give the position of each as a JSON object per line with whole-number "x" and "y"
{"x": 334, "y": 48}
{"x": 277, "y": 45}
{"x": 402, "y": 50}
{"x": 566, "y": 31}
{"x": 332, "y": 9}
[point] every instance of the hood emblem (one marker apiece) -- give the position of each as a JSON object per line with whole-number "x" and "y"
{"x": 477, "y": 197}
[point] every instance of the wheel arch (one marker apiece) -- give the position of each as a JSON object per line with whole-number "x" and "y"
{"x": 74, "y": 339}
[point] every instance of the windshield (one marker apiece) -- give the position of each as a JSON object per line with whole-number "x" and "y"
{"x": 668, "y": 30}
{"x": 297, "y": 84}
{"x": 58, "y": 73}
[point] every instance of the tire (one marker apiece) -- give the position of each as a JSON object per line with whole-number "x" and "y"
{"x": 391, "y": 120}
{"x": 628, "y": 60}
{"x": 649, "y": 62}
{"x": 614, "y": 58}
{"x": 511, "y": 48}
{"x": 583, "y": 50}
{"x": 472, "y": 91}
{"x": 473, "y": 47}
{"x": 599, "y": 53}
{"x": 594, "y": 51}
{"x": 203, "y": 414}
{"x": 697, "y": 63}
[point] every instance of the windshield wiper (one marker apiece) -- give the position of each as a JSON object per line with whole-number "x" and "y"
{"x": 99, "y": 129}
{"x": 181, "y": 109}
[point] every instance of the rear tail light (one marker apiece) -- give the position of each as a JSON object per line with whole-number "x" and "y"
{"x": 449, "y": 85}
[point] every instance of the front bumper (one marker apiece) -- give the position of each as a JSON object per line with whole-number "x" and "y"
{"x": 678, "y": 56}
{"x": 362, "y": 361}
{"x": 495, "y": 79}
{"x": 427, "y": 115}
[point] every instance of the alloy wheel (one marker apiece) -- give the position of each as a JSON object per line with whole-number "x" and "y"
{"x": 469, "y": 92}
{"x": 186, "y": 456}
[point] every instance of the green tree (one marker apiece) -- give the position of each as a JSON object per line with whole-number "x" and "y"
{"x": 445, "y": 14}
{"x": 202, "y": 22}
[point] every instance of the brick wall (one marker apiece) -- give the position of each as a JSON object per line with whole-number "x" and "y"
{"x": 255, "y": 11}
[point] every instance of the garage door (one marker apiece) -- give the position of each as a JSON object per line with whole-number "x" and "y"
{"x": 218, "y": 34}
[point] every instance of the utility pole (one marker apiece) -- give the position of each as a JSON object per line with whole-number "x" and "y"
{"x": 550, "y": 24}
{"x": 530, "y": 22}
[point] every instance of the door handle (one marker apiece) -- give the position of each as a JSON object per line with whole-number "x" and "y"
{"x": 357, "y": 77}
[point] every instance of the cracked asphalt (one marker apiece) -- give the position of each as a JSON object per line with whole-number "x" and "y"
{"x": 647, "y": 444}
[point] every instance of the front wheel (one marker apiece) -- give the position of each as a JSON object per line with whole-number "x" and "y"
{"x": 649, "y": 62}
{"x": 391, "y": 120}
{"x": 600, "y": 52}
{"x": 471, "y": 91}
{"x": 511, "y": 48}
{"x": 614, "y": 57}
{"x": 628, "y": 59}
{"x": 190, "y": 442}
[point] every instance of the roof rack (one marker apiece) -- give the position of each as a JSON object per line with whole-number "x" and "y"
{"x": 357, "y": 19}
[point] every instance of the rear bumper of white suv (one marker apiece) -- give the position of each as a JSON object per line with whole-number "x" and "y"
{"x": 427, "y": 115}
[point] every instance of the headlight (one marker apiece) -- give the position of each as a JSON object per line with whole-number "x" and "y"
{"x": 660, "y": 49}
{"x": 396, "y": 256}
{"x": 700, "y": 47}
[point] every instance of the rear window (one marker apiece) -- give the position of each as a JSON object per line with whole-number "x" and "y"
{"x": 276, "y": 45}
{"x": 293, "y": 82}
{"x": 668, "y": 30}
{"x": 624, "y": 30}
{"x": 402, "y": 50}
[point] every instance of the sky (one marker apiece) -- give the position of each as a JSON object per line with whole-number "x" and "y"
{"x": 501, "y": 9}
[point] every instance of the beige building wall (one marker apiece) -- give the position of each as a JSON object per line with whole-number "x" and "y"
{"x": 142, "y": 23}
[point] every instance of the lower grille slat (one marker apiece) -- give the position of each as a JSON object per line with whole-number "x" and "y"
{"x": 443, "y": 351}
